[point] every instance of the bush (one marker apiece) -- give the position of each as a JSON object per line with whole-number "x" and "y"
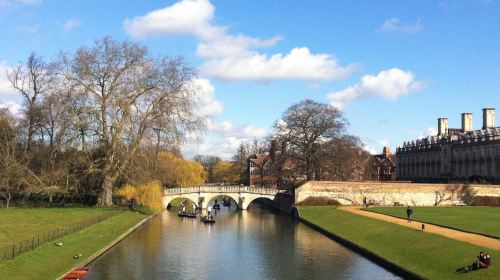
{"x": 486, "y": 201}
{"x": 318, "y": 201}
{"x": 149, "y": 195}
{"x": 467, "y": 194}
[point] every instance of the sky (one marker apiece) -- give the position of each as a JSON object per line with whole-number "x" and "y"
{"x": 392, "y": 67}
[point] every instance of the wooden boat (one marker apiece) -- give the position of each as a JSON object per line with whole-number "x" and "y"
{"x": 182, "y": 214}
{"x": 190, "y": 215}
{"x": 216, "y": 207}
{"x": 81, "y": 273}
{"x": 227, "y": 203}
{"x": 206, "y": 220}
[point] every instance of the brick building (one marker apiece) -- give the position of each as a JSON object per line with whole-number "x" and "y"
{"x": 381, "y": 167}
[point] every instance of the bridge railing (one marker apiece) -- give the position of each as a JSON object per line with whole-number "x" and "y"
{"x": 220, "y": 189}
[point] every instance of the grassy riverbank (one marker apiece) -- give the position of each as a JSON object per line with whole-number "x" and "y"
{"x": 49, "y": 261}
{"x": 485, "y": 220}
{"x": 19, "y": 224}
{"x": 429, "y": 255}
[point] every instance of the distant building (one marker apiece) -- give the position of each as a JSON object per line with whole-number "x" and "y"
{"x": 455, "y": 154}
{"x": 265, "y": 170}
{"x": 381, "y": 167}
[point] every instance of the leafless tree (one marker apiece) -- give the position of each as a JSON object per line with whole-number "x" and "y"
{"x": 31, "y": 80}
{"x": 305, "y": 126}
{"x": 126, "y": 92}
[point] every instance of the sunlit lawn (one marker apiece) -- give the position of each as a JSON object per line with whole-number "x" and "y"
{"x": 484, "y": 220}
{"x": 429, "y": 255}
{"x": 18, "y": 224}
{"x": 49, "y": 261}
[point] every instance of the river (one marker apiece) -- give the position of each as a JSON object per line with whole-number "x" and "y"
{"x": 254, "y": 244}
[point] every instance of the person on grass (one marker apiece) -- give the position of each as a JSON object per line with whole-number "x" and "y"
{"x": 409, "y": 213}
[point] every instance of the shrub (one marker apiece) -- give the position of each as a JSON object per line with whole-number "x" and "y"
{"x": 486, "y": 201}
{"x": 318, "y": 201}
{"x": 149, "y": 195}
{"x": 467, "y": 194}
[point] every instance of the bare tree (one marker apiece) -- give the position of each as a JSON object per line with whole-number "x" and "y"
{"x": 31, "y": 80}
{"x": 126, "y": 92}
{"x": 305, "y": 126}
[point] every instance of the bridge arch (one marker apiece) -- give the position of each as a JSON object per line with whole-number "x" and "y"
{"x": 254, "y": 198}
{"x": 192, "y": 198}
{"x": 213, "y": 196}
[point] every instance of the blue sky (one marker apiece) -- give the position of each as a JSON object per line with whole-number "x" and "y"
{"x": 393, "y": 67}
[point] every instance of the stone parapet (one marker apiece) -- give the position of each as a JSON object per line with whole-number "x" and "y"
{"x": 386, "y": 193}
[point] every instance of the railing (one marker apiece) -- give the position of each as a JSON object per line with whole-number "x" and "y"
{"x": 221, "y": 189}
{"x": 16, "y": 248}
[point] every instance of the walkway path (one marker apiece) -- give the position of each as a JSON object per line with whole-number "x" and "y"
{"x": 472, "y": 238}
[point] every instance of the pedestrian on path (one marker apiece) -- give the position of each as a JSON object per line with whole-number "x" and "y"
{"x": 364, "y": 203}
{"x": 409, "y": 213}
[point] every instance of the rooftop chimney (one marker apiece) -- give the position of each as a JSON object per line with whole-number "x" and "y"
{"x": 442, "y": 126}
{"x": 466, "y": 122}
{"x": 386, "y": 151}
{"x": 488, "y": 118}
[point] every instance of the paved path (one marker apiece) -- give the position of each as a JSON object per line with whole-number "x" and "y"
{"x": 472, "y": 238}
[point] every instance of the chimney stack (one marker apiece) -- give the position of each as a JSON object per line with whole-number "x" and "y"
{"x": 466, "y": 122}
{"x": 488, "y": 118}
{"x": 386, "y": 151}
{"x": 442, "y": 126}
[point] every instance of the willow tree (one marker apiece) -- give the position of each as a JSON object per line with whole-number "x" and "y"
{"x": 305, "y": 126}
{"x": 126, "y": 92}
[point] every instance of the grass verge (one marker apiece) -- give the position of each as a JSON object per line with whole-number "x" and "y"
{"x": 49, "y": 261}
{"x": 429, "y": 255}
{"x": 19, "y": 224}
{"x": 477, "y": 219}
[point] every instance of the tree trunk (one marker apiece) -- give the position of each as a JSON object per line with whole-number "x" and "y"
{"x": 106, "y": 195}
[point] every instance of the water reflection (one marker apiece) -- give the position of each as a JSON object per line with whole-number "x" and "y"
{"x": 253, "y": 244}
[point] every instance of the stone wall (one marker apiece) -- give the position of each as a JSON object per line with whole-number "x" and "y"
{"x": 384, "y": 193}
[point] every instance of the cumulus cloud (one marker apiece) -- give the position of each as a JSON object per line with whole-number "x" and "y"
{"x": 394, "y": 25}
{"x": 234, "y": 57}
{"x": 13, "y": 106}
{"x": 207, "y": 103}
{"x": 71, "y": 24}
{"x": 5, "y": 85}
{"x": 388, "y": 84}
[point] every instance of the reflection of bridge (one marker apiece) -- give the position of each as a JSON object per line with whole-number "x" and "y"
{"x": 201, "y": 196}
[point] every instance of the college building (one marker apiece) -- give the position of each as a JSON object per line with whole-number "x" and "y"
{"x": 454, "y": 154}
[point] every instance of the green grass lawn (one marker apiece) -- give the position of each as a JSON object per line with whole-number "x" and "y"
{"x": 49, "y": 261}
{"x": 429, "y": 255}
{"x": 19, "y": 224}
{"x": 484, "y": 220}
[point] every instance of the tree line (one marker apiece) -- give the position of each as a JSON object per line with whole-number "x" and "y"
{"x": 95, "y": 119}
{"x": 308, "y": 142}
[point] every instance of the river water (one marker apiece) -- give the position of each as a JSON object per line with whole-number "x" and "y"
{"x": 254, "y": 244}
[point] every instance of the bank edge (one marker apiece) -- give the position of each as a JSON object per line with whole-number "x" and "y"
{"x": 112, "y": 244}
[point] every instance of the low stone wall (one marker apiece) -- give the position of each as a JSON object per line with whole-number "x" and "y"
{"x": 384, "y": 193}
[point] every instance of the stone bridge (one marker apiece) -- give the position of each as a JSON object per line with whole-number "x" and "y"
{"x": 202, "y": 195}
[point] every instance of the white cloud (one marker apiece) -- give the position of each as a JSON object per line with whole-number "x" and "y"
{"x": 384, "y": 142}
{"x": 389, "y": 84}
{"x": 207, "y": 103}
{"x": 71, "y": 24}
{"x": 432, "y": 131}
{"x": 371, "y": 150}
{"x": 13, "y": 106}
{"x": 233, "y": 57}
{"x": 5, "y": 85}
{"x": 394, "y": 25}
